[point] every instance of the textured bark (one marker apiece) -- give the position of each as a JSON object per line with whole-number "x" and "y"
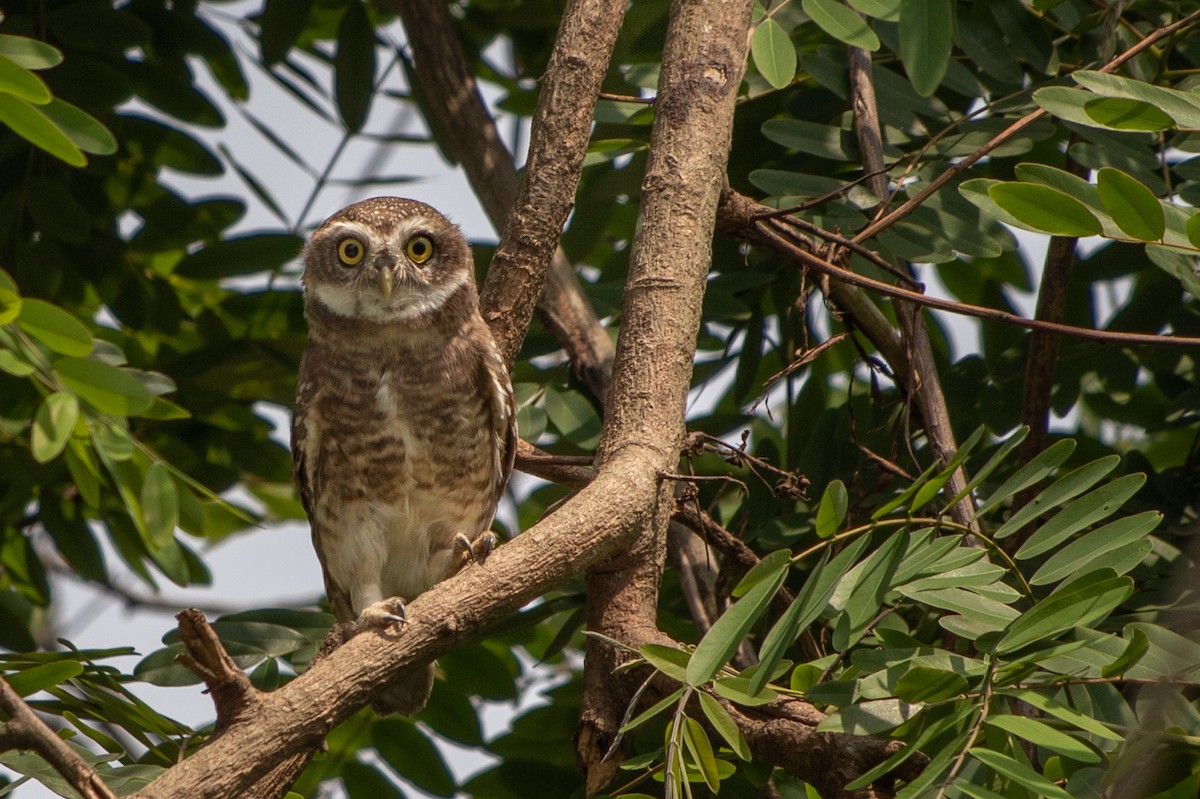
{"x": 702, "y": 65}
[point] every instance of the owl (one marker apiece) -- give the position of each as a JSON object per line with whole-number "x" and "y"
{"x": 404, "y": 430}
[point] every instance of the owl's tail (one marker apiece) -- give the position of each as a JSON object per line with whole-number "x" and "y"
{"x": 406, "y": 696}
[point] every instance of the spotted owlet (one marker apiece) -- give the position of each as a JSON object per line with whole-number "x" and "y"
{"x": 404, "y": 429}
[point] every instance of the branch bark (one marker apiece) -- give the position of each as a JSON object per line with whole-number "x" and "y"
{"x": 703, "y": 59}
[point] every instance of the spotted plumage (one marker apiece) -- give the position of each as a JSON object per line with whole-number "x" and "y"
{"x": 404, "y": 426}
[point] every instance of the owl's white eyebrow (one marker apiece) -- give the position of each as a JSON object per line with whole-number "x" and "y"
{"x": 342, "y": 228}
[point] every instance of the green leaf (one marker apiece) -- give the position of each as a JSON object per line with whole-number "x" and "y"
{"x": 1135, "y": 650}
{"x": 874, "y": 580}
{"x": 21, "y": 83}
{"x": 924, "y": 684}
{"x": 926, "y": 36}
{"x": 54, "y": 327}
{"x": 725, "y": 726}
{"x": 10, "y": 306}
{"x": 1097, "y": 505}
{"x": 1043, "y": 463}
{"x": 573, "y": 415}
{"x": 241, "y": 255}
{"x": 1183, "y": 107}
{"x": 29, "y": 53}
{"x": 658, "y": 707}
{"x": 906, "y": 495}
{"x": 868, "y": 718}
{"x": 1045, "y": 210}
{"x": 887, "y": 10}
{"x": 737, "y": 690}
{"x": 1116, "y": 113}
{"x": 354, "y": 66}
{"x": 108, "y": 388}
{"x": 280, "y": 26}
{"x": 700, "y": 748}
{"x": 410, "y": 752}
{"x": 765, "y": 569}
{"x": 815, "y": 138}
{"x": 1076, "y": 556}
{"x": 1041, "y": 734}
{"x": 87, "y": 133}
{"x": 832, "y": 510}
{"x": 362, "y": 781}
{"x": 723, "y": 638}
{"x": 1071, "y": 716}
{"x": 53, "y": 425}
{"x": 1019, "y": 773}
{"x": 1081, "y": 602}
{"x": 804, "y": 610}
{"x": 667, "y": 659}
{"x": 841, "y": 23}
{"x": 1193, "y": 230}
{"x": 160, "y": 504}
{"x": 33, "y": 125}
{"x": 985, "y": 612}
{"x": 162, "y": 668}
{"x": 1133, "y": 207}
{"x": 774, "y": 54}
{"x": 1066, "y": 487}
{"x": 993, "y": 463}
{"x": 31, "y": 680}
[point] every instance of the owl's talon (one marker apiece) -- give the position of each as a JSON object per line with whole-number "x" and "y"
{"x": 467, "y": 551}
{"x": 384, "y": 613}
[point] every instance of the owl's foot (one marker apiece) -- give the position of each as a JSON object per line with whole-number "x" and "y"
{"x": 383, "y": 613}
{"x": 467, "y": 551}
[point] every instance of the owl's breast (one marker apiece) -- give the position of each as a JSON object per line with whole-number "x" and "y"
{"x": 407, "y": 464}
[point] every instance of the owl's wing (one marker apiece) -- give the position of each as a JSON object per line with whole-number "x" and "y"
{"x": 503, "y": 411}
{"x": 304, "y": 448}
{"x": 306, "y": 472}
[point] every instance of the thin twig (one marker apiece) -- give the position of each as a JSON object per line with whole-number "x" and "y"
{"x": 1012, "y": 130}
{"x": 778, "y": 240}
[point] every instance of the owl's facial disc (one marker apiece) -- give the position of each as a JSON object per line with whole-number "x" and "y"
{"x": 386, "y": 280}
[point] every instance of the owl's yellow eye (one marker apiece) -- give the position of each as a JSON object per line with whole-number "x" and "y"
{"x": 419, "y": 249}
{"x": 351, "y": 251}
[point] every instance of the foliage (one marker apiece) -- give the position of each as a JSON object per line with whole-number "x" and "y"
{"x": 144, "y": 336}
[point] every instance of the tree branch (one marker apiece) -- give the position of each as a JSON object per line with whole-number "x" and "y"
{"x": 704, "y": 55}
{"x": 741, "y": 216}
{"x": 918, "y": 372}
{"x": 561, "y": 127}
{"x": 24, "y": 730}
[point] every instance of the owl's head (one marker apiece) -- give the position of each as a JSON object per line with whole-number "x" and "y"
{"x": 385, "y": 260}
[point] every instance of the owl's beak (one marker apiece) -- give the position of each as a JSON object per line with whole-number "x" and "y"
{"x": 387, "y": 281}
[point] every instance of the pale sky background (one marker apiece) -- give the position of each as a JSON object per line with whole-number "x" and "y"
{"x": 276, "y": 566}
